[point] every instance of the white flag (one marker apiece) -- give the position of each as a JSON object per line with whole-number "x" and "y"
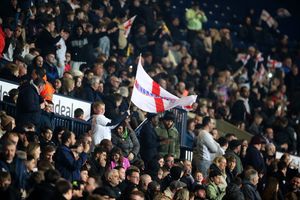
{"x": 149, "y": 96}
{"x": 127, "y": 25}
{"x": 266, "y": 17}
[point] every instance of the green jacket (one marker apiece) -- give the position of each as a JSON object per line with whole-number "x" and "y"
{"x": 169, "y": 142}
{"x": 213, "y": 192}
{"x": 194, "y": 19}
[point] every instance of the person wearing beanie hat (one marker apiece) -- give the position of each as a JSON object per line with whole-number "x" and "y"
{"x": 168, "y": 136}
{"x": 175, "y": 174}
{"x": 234, "y": 150}
{"x": 253, "y": 156}
{"x": 7, "y": 122}
{"x": 213, "y": 190}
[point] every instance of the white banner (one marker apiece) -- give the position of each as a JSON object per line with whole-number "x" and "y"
{"x": 62, "y": 105}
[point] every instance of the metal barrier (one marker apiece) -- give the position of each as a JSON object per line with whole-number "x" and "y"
{"x": 77, "y": 126}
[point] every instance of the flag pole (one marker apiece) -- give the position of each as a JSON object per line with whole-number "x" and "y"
{"x": 133, "y": 84}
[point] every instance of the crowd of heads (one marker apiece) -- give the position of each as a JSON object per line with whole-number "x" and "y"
{"x": 79, "y": 49}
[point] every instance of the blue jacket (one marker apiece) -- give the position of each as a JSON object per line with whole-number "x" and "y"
{"x": 28, "y": 105}
{"x": 66, "y": 163}
{"x": 17, "y": 170}
{"x": 149, "y": 142}
{"x": 250, "y": 192}
{"x": 255, "y": 159}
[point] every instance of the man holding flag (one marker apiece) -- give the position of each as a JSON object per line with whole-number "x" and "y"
{"x": 149, "y": 96}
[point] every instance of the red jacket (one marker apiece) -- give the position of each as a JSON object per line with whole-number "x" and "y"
{"x": 2, "y": 41}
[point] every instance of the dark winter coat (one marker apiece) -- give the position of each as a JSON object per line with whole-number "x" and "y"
{"x": 66, "y": 163}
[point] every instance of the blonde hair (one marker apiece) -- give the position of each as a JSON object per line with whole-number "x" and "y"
{"x": 97, "y": 104}
{"x": 31, "y": 148}
{"x": 182, "y": 194}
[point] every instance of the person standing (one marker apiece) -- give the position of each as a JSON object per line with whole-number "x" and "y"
{"x": 29, "y": 103}
{"x": 206, "y": 147}
{"x": 149, "y": 139}
{"x": 169, "y": 142}
{"x": 101, "y": 125}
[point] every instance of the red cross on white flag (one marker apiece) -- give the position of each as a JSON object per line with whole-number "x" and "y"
{"x": 149, "y": 96}
{"x": 128, "y": 25}
{"x": 266, "y": 17}
{"x": 273, "y": 63}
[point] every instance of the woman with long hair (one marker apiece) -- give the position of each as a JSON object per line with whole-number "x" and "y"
{"x": 117, "y": 159}
{"x": 219, "y": 164}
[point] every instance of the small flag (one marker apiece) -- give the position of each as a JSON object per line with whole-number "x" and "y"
{"x": 244, "y": 58}
{"x": 127, "y": 25}
{"x": 273, "y": 63}
{"x": 283, "y": 13}
{"x": 266, "y": 17}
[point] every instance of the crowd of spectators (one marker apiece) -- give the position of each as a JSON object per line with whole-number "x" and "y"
{"x": 78, "y": 48}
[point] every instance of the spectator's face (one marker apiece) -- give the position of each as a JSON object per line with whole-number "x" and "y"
{"x": 255, "y": 180}
{"x": 102, "y": 157}
{"x": 90, "y": 185}
{"x": 49, "y": 156}
{"x": 84, "y": 175}
{"x": 22, "y": 68}
{"x": 222, "y": 164}
{"x": 51, "y": 26}
{"x": 72, "y": 139}
{"x": 114, "y": 179}
{"x": 199, "y": 177}
{"x": 155, "y": 121}
{"x": 37, "y": 153}
{"x": 116, "y": 157}
{"x": 48, "y": 135}
{"x": 269, "y": 133}
{"x": 188, "y": 166}
{"x": 201, "y": 193}
{"x": 136, "y": 197}
{"x": 296, "y": 183}
{"x": 120, "y": 130}
{"x": 115, "y": 82}
{"x": 231, "y": 165}
{"x": 169, "y": 162}
{"x": 217, "y": 180}
{"x": 161, "y": 162}
{"x": 31, "y": 164}
{"x": 90, "y": 75}
{"x": 122, "y": 174}
{"x": 100, "y": 110}
{"x": 10, "y": 152}
{"x": 134, "y": 178}
{"x": 98, "y": 70}
{"x": 13, "y": 138}
{"x": 50, "y": 58}
{"x": 57, "y": 84}
{"x": 79, "y": 31}
{"x": 4, "y": 184}
{"x": 168, "y": 123}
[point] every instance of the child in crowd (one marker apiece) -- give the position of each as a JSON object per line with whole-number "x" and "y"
{"x": 101, "y": 125}
{"x": 117, "y": 159}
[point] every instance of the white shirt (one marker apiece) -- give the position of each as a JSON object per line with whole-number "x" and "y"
{"x": 61, "y": 52}
{"x": 100, "y": 130}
